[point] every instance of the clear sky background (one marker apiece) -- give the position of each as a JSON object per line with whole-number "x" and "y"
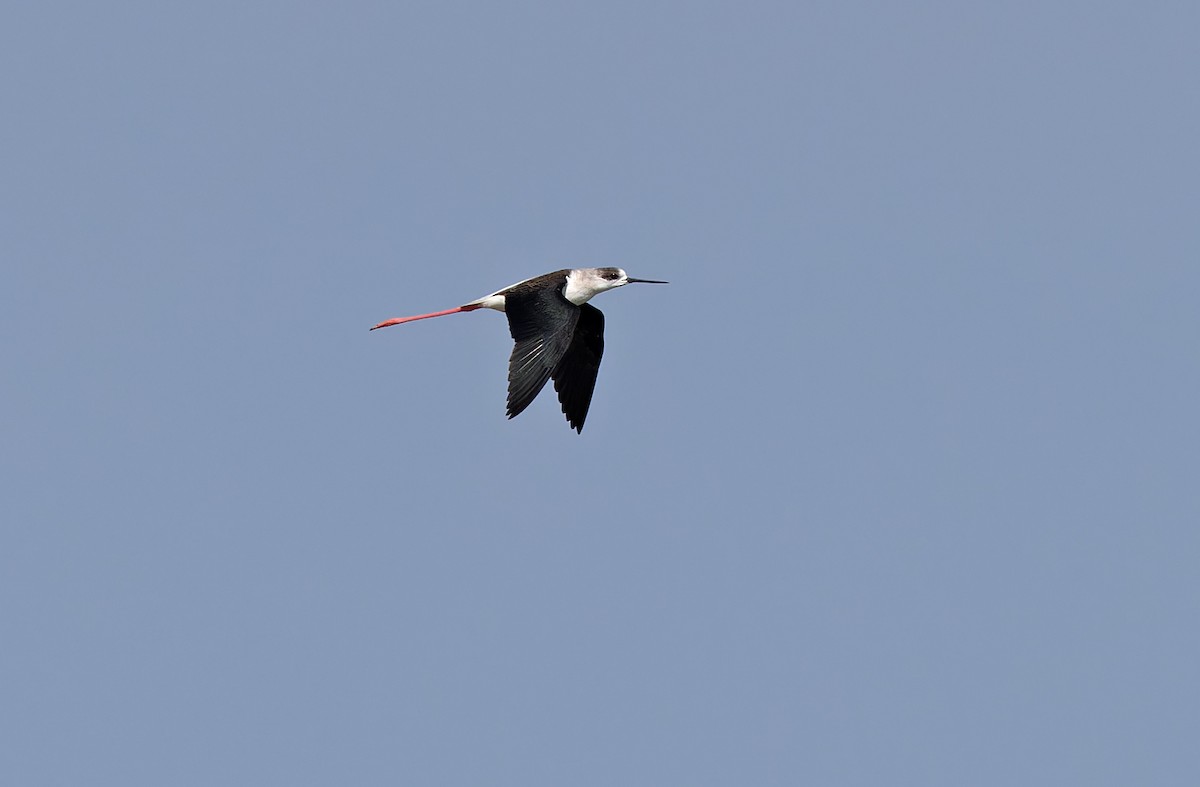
{"x": 898, "y": 482}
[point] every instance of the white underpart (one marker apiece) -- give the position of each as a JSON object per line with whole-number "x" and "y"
{"x": 492, "y": 301}
{"x": 495, "y": 300}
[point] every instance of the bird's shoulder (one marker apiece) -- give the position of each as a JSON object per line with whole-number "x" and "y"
{"x": 547, "y": 283}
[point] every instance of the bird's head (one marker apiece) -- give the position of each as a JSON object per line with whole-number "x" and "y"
{"x": 584, "y": 283}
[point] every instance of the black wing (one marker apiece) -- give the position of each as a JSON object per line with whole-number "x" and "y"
{"x": 575, "y": 375}
{"x": 542, "y": 323}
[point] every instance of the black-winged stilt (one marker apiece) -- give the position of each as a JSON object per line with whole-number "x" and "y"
{"x": 558, "y": 334}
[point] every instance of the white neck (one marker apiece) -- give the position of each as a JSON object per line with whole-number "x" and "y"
{"x": 583, "y": 285}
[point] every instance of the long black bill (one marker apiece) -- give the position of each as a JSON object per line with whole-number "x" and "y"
{"x": 646, "y": 281}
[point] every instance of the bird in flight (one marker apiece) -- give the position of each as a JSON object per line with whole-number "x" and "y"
{"x": 558, "y": 334}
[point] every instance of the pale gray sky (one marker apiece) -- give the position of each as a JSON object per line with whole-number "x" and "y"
{"x": 896, "y": 483}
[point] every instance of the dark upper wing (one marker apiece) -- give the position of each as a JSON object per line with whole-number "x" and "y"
{"x": 575, "y": 375}
{"x": 542, "y": 323}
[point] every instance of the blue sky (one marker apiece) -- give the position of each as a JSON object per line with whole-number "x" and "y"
{"x": 896, "y": 483}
